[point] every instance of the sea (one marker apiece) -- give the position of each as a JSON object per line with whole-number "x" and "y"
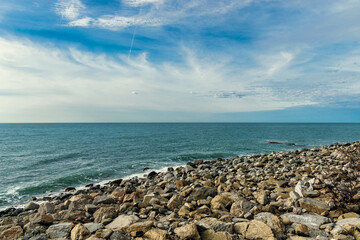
{"x": 43, "y": 159}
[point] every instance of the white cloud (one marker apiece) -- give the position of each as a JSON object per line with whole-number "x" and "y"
{"x": 150, "y": 13}
{"x": 46, "y": 84}
{"x": 69, "y": 9}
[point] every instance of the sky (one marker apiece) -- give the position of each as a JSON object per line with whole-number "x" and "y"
{"x": 179, "y": 61}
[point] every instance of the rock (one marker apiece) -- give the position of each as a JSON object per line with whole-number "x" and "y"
{"x": 174, "y": 202}
{"x": 202, "y": 193}
{"x": 351, "y": 221}
{"x": 43, "y": 219}
{"x": 31, "y": 206}
{"x": 93, "y": 227}
{"x": 156, "y": 234}
{"x": 348, "y": 215}
{"x": 312, "y": 221}
{"x": 41, "y": 236}
{"x": 104, "y": 213}
{"x": 212, "y": 235}
{"x": 302, "y": 230}
{"x": 261, "y": 197}
{"x": 80, "y": 232}
{"x": 181, "y": 183}
{"x": 121, "y": 222}
{"x": 188, "y": 231}
{"x": 240, "y": 208}
{"x": 188, "y": 168}
{"x": 117, "y": 236}
{"x": 258, "y": 230}
{"x": 241, "y": 227}
{"x": 103, "y": 200}
{"x": 12, "y": 233}
{"x": 152, "y": 175}
{"x": 46, "y": 208}
{"x": 215, "y": 224}
{"x": 90, "y": 208}
{"x": 224, "y": 201}
{"x": 314, "y": 205}
{"x": 273, "y": 222}
{"x": 140, "y": 226}
{"x": 60, "y": 230}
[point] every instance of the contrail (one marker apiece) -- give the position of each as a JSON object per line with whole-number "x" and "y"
{"x": 133, "y": 37}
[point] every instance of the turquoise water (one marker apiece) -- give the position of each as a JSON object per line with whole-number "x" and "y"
{"x": 37, "y": 159}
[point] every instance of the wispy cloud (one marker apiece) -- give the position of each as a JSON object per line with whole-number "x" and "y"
{"x": 69, "y": 9}
{"x": 150, "y": 13}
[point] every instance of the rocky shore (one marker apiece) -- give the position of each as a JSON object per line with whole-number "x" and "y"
{"x": 302, "y": 194}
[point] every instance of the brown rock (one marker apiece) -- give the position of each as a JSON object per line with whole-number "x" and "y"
{"x": 122, "y": 222}
{"x": 181, "y": 183}
{"x": 188, "y": 232}
{"x": 103, "y": 213}
{"x": 212, "y": 235}
{"x": 156, "y": 234}
{"x": 80, "y": 232}
{"x": 241, "y": 227}
{"x": 174, "y": 202}
{"x": 314, "y": 205}
{"x": 258, "y": 230}
{"x": 302, "y": 230}
{"x": 140, "y": 226}
{"x": 348, "y": 215}
{"x": 12, "y": 233}
{"x": 261, "y": 197}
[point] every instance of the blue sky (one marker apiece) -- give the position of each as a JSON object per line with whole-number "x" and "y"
{"x": 177, "y": 60}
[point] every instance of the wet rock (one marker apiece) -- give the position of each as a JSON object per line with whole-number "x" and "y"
{"x": 188, "y": 231}
{"x": 61, "y": 230}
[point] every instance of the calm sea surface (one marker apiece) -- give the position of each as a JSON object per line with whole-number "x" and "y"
{"x": 38, "y": 159}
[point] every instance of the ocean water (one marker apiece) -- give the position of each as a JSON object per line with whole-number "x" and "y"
{"x": 42, "y": 159}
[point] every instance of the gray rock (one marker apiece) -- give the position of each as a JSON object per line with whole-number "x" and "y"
{"x": 121, "y": 222}
{"x": 118, "y": 236}
{"x": 42, "y": 236}
{"x": 350, "y": 221}
{"x": 312, "y": 221}
{"x": 31, "y": 206}
{"x": 93, "y": 227}
{"x": 46, "y": 208}
{"x": 61, "y": 230}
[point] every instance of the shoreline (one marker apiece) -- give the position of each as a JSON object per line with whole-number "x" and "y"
{"x": 287, "y": 194}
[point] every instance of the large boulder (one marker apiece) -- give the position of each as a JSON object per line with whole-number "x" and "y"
{"x": 215, "y": 224}
{"x": 202, "y": 193}
{"x": 104, "y": 213}
{"x": 313, "y": 205}
{"x": 312, "y": 221}
{"x": 46, "y": 208}
{"x": 80, "y": 232}
{"x": 258, "y": 230}
{"x": 156, "y": 234}
{"x": 61, "y": 230}
{"x": 212, "y": 235}
{"x": 140, "y": 226}
{"x": 224, "y": 201}
{"x": 273, "y": 222}
{"x": 188, "y": 231}
{"x": 121, "y": 222}
{"x": 174, "y": 202}
{"x": 241, "y": 207}
{"x": 12, "y": 233}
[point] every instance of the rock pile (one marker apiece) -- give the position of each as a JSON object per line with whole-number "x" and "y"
{"x": 266, "y": 196}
